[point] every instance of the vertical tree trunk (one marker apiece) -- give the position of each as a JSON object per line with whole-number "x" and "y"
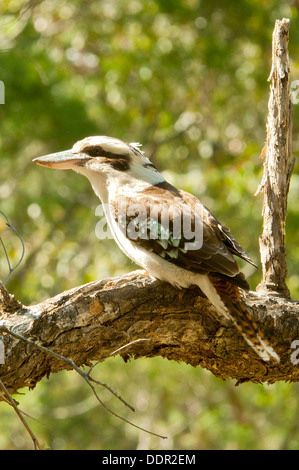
{"x": 277, "y": 168}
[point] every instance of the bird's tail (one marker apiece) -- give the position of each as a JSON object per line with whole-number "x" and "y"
{"x": 236, "y": 310}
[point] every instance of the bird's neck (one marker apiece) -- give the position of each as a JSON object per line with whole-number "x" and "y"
{"x": 110, "y": 185}
{"x": 128, "y": 185}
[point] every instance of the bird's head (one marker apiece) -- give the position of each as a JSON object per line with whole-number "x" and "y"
{"x": 105, "y": 156}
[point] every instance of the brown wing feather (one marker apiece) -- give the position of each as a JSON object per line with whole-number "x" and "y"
{"x": 214, "y": 255}
{"x": 222, "y": 232}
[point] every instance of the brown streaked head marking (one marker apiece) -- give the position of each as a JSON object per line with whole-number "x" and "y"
{"x": 120, "y": 162}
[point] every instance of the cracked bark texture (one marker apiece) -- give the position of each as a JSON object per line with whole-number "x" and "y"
{"x": 278, "y": 167}
{"x": 91, "y": 321}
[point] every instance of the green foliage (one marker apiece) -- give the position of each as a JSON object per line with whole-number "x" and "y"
{"x": 188, "y": 79}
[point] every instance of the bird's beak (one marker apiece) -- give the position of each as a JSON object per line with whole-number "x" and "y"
{"x": 61, "y": 160}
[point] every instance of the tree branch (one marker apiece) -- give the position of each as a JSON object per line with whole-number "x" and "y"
{"x": 91, "y": 321}
{"x": 278, "y": 167}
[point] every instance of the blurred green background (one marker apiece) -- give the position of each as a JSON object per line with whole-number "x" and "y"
{"x": 187, "y": 79}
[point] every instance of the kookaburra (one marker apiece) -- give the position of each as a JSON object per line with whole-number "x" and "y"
{"x": 147, "y": 216}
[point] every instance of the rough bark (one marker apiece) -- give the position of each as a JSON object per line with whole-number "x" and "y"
{"x": 278, "y": 166}
{"x": 91, "y": 321}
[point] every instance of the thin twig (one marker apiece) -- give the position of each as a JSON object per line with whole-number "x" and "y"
{"x": 10, "y": 269}
{"x": 85, "y": 377}
{"x": 11, "y": 401}
{"x": 117, "y": 351}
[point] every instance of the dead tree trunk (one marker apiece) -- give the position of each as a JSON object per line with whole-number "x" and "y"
{"x": 278, "y": 166}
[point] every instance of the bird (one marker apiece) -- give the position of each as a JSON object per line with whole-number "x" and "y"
{"x": 167, "y": 231}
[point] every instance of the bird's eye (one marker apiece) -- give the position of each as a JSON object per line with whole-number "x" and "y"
{"x": 94, "y": 151}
